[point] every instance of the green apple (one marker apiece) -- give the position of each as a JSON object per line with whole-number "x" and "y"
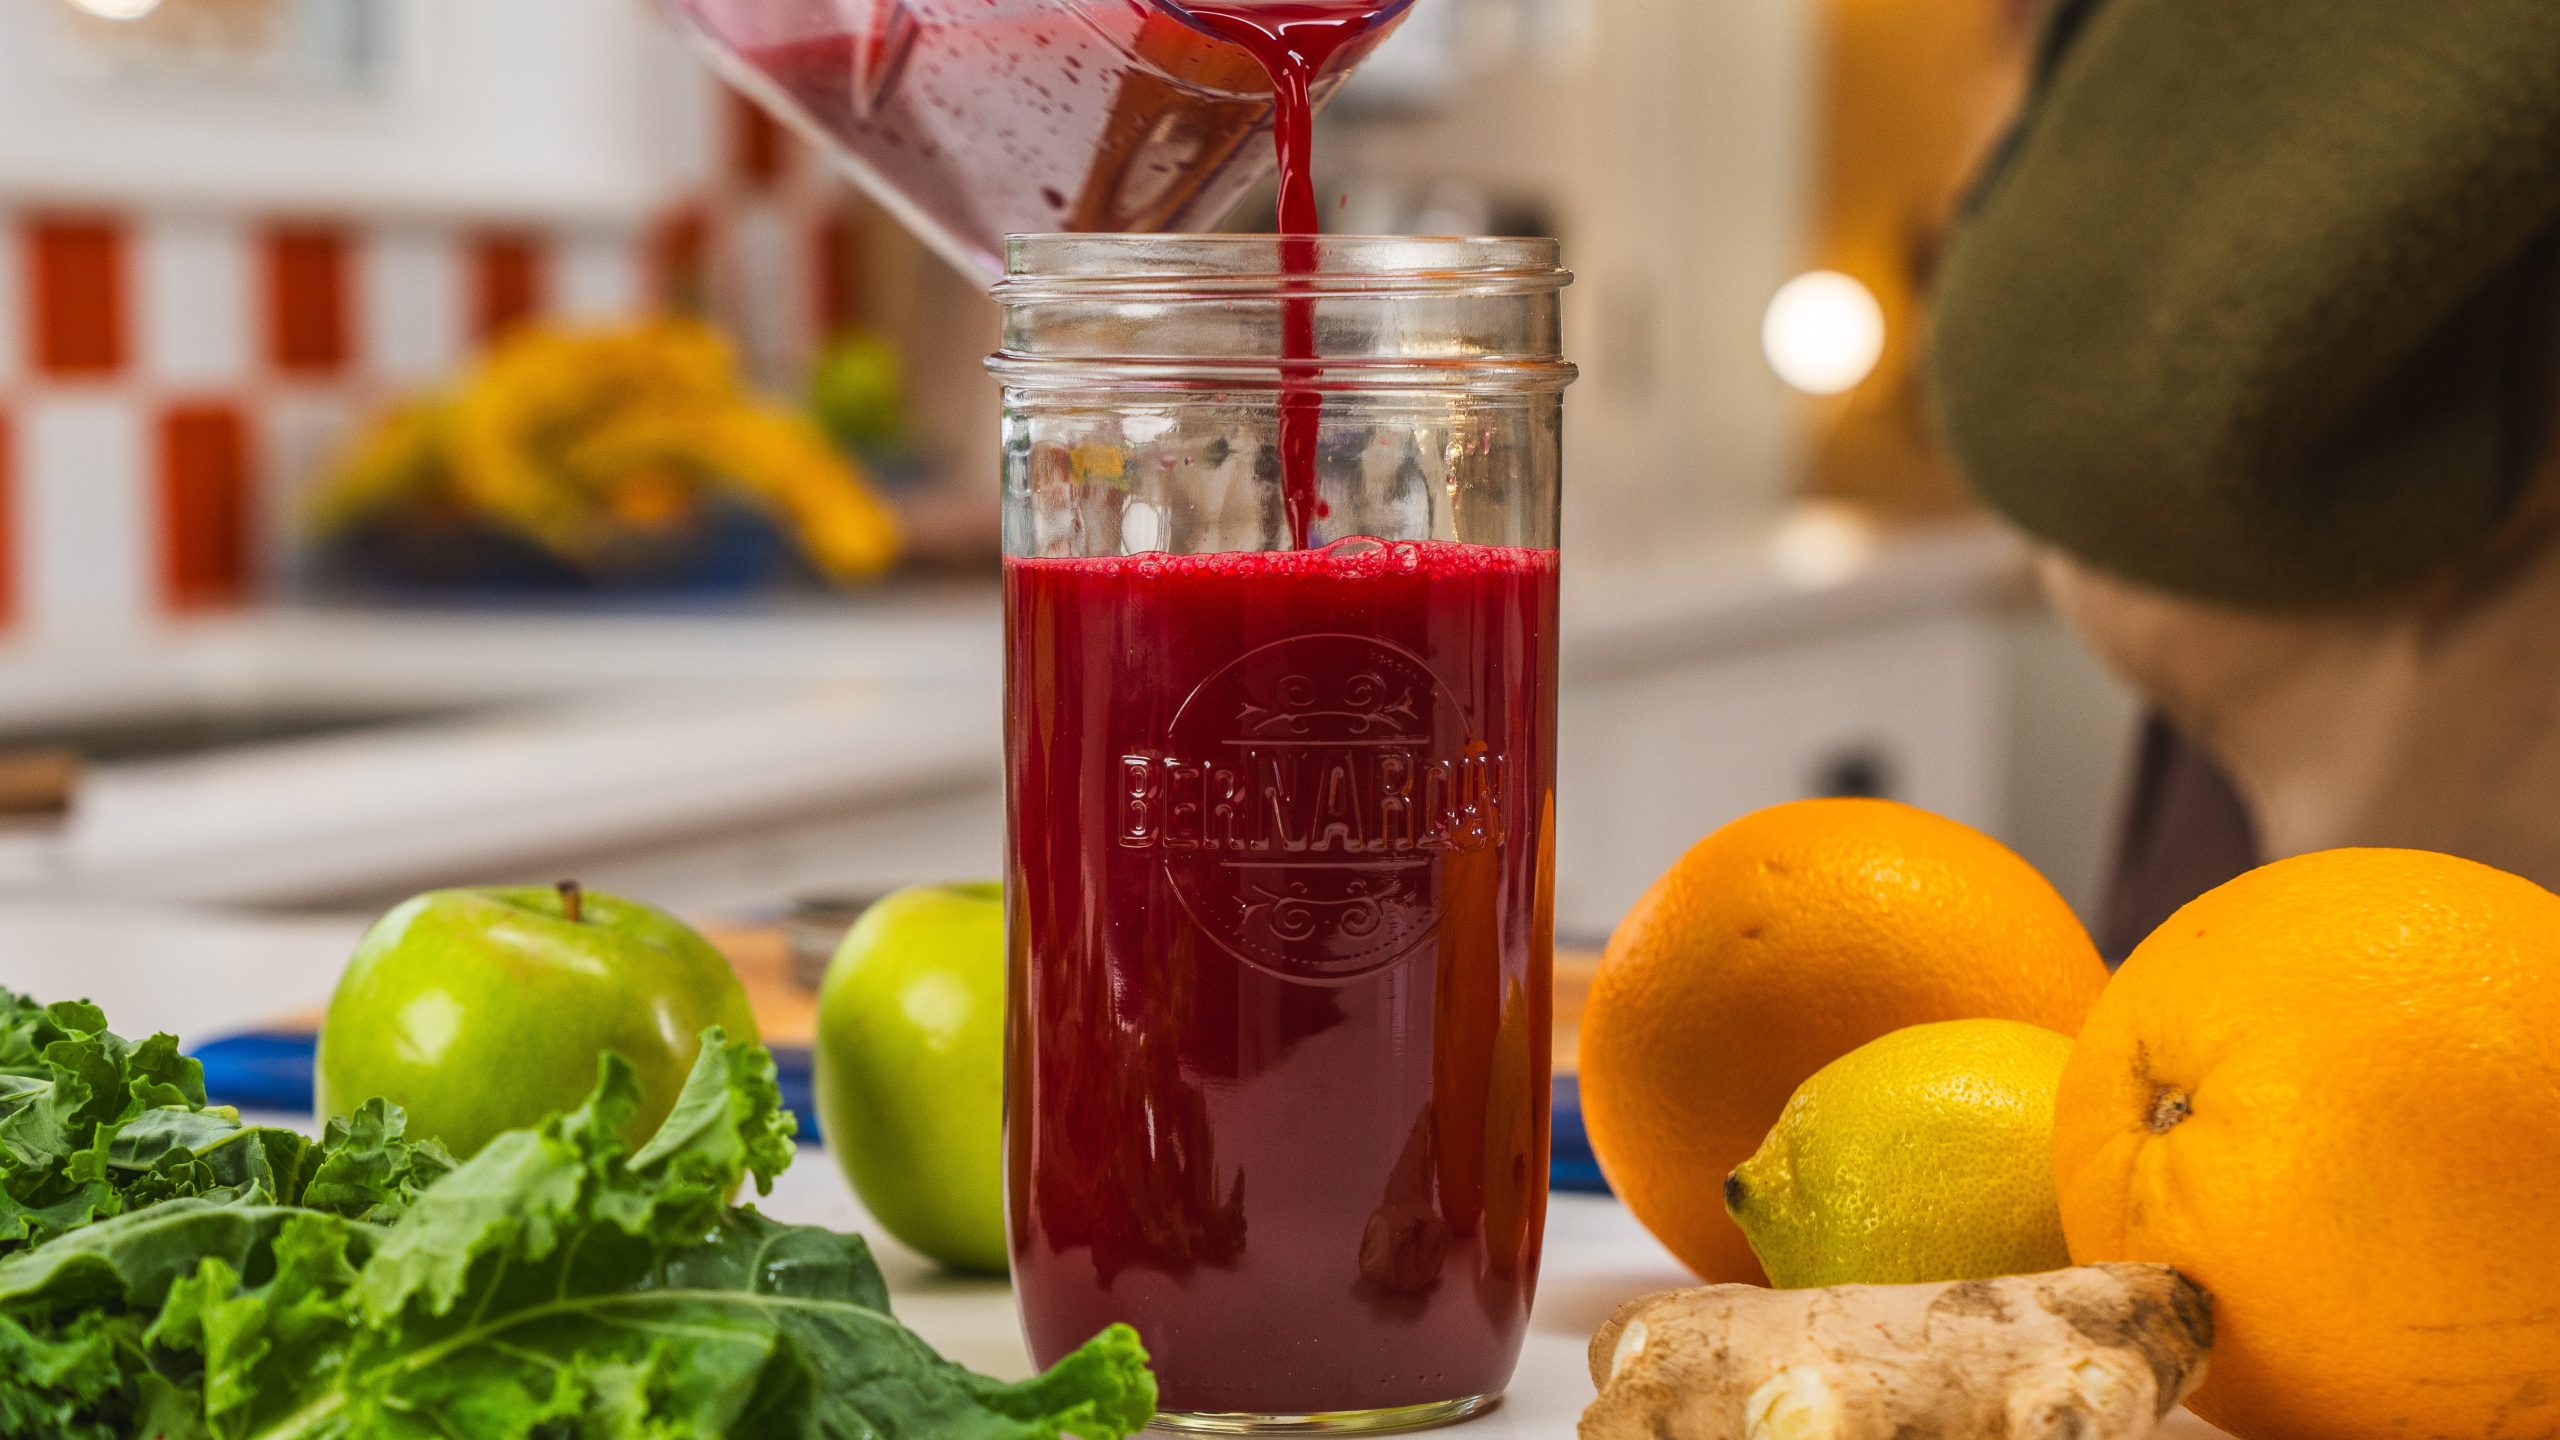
{"x": 483, "y": 1011}
{"x": 910, "y": 1069}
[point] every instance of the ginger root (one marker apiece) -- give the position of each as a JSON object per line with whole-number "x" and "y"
{"x": 2101, "y": 1352}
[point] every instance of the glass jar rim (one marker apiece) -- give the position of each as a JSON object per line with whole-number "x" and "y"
{"x": 1088, "y": 266}
{"x": 1426, "y": 314}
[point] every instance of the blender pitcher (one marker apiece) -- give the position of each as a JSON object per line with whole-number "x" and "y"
{"x": 972, "y": 120}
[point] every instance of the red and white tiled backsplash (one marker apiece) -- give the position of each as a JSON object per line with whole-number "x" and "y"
{"x": 171, "y": 382}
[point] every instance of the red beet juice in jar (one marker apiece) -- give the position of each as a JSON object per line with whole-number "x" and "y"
{"x": 1280, "y": 956}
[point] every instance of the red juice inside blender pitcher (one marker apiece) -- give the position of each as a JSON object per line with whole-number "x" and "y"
{"x": 975, "y": 119}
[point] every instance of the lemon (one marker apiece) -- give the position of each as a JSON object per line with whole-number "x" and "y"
{"x": 1924, "y": 1156}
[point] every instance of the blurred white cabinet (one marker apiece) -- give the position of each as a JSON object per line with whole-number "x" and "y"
{"x": 1925, "y": 672}
{"x": 1654, "y": 758}
{"x": 545, "y": 109}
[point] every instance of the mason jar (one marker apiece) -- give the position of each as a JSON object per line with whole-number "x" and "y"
{"x": 1280, "y": 593}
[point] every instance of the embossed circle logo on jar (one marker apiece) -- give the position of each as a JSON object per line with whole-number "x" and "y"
{"x": 1305, "y": 799}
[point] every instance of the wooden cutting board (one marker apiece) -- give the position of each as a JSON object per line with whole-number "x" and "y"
{"x": 787, "y": 1013}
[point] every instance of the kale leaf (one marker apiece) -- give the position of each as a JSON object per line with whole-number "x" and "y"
{"x": 557, "y": 1286}
{"x": 92, "y": 1126}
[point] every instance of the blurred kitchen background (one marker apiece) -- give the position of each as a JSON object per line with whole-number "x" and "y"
{"x": 267, "y": 267}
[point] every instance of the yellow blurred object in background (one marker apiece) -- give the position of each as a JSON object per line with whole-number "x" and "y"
{"x": 574, "y": 438}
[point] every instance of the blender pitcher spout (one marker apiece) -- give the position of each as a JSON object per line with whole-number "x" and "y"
{"x": 1382, "y": 16}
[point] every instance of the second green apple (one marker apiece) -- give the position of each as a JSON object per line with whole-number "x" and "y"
{"x": 910, "y": 1069}
{"x": 480, "y": 1011}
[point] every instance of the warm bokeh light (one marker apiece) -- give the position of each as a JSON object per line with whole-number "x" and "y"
{"x": 1823, "y": 332}
{"x": 117, "y": 9}
{"x": 1822, "y": 544}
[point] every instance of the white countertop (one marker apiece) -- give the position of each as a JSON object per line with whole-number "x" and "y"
{"x": 197, "y": 974}
{"x": 539, "y": 735}
{"x": 1597, "y": 1258}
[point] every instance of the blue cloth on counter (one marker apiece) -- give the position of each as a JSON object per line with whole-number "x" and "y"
{"x": 271, "y": 1071}
{"x": 1571, "y": 1164}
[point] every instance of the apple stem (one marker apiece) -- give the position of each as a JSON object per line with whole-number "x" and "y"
{"x": 573, "y": 901}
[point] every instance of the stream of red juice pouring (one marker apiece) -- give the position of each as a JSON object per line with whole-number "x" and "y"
{"x": 1280, "y": 964}
{"x": 1294, "y": 41}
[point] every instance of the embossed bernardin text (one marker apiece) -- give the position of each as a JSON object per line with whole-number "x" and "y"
{"x": 1306, "y": 796}
{"x": 1282, "y": 801}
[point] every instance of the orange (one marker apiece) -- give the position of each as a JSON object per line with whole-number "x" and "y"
{"x": 1777, "y": 945}
{"x": 2329, "y": 1091}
